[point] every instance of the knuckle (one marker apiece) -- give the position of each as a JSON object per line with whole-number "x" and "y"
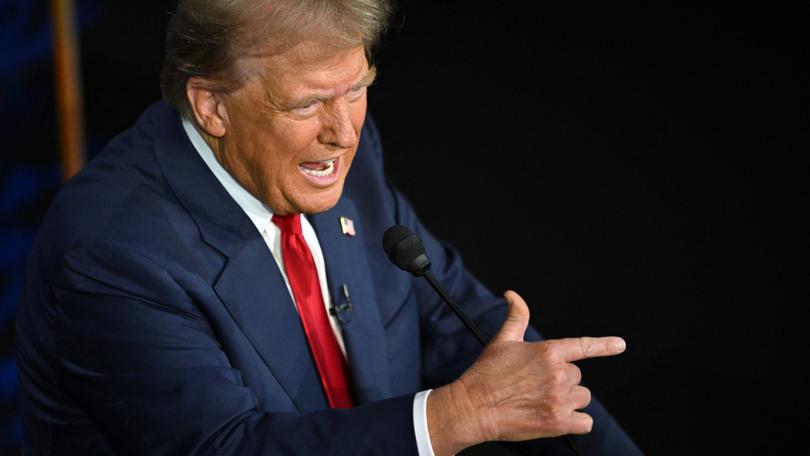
{"x": 586, "y": 345}
{"x": 581, "y": 425}
{"x": 558, "y": 424}
{"x": 555, "y": 400}
{"x": 546, "y": 350}
{"x": 576, "y": 374}
{"x": 557, "y": 376}
{"x": 585, "y": 424}
{"x": 555, "y": 420}
{"x": 586, "y": 397}
{"x": 546, "y": 423}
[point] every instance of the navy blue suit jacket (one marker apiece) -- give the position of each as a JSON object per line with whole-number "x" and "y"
{"x": 154, "y": 319}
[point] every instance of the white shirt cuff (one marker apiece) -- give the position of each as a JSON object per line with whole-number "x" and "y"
{"x": 420, "y": 425}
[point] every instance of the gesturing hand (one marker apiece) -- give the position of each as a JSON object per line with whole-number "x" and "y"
{"x": 516, "y": 390}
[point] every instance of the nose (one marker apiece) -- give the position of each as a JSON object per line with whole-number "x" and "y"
{"x": 338, "y": 128}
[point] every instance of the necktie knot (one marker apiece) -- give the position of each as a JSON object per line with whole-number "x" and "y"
{"x": 288, "y": 224}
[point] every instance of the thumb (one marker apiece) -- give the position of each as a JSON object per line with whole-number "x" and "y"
{"x": 517, "y": 319}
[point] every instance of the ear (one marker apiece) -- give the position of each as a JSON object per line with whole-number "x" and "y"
{"x": 206, "y": 107}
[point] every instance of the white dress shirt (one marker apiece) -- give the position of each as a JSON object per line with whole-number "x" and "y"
{"x": 261, "y": 216}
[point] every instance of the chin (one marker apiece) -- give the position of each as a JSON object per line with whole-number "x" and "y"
{"x": 320, "y": 203}
{"x": 316, "y": 209}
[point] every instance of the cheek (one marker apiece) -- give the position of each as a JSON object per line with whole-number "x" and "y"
{"x": 292, "y": 140}
{"x": 359, "y": 114}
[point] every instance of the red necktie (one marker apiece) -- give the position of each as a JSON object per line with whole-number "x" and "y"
{"x": 306, "y": 289}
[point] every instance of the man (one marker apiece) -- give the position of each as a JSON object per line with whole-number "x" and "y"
{"x": 177, "y": 302}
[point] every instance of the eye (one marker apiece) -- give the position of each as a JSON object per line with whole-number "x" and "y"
{"x": 357, "y": 93}
{"x": 306, "y": 110}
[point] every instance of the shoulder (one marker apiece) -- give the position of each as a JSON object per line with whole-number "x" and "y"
{"x": 121, "y": 196}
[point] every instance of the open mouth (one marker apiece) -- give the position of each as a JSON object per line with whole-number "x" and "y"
{"x": 323, "y": 168}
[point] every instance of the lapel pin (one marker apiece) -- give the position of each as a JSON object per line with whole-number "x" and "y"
{"x": 347, "y": 226}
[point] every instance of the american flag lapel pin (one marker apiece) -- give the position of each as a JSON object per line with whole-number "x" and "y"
{"x": 347, "y": 226}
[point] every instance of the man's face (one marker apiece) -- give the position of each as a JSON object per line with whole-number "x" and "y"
{"x": 291, "y": 133}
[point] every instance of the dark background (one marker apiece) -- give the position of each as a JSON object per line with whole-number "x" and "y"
{"x": 636, "y": 170}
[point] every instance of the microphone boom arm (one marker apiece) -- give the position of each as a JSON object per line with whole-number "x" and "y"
{"x": 461, "y": 315}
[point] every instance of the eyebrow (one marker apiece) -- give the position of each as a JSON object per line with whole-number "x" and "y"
{"x": 365, "y": 81}
{"x": 368, "y": 79}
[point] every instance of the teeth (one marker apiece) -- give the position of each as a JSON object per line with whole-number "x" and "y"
{"x": 330, "y": 167}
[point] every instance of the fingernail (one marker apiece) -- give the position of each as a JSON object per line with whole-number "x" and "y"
{"x": 619, "y": 345}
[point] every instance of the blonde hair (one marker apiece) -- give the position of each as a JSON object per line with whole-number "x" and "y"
{"x": 206, "y": 37}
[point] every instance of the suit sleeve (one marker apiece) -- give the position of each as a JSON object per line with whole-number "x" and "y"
{"x": 149, "y": 371}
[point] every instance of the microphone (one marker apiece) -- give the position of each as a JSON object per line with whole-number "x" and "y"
{"x": 405, "y": 250}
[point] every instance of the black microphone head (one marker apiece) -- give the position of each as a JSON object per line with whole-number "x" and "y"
{"x": 405, "y": 250}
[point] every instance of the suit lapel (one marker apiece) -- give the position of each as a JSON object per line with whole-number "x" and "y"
{"x": 363, "y": 333}
{"x": 254, "y": 291}
{"x": 250, "y": 284}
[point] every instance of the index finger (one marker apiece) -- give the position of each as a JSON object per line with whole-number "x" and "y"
{"x": 577, "y": 348}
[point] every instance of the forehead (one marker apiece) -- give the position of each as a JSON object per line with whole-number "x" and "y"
{"x": 312, "y": 67}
